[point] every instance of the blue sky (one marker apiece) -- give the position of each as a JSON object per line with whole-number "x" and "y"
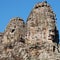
{"x": 22, "y": 8}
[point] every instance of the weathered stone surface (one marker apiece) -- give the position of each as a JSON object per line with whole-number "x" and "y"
{"x": 1, "y": 36}
{"x": 36, "y": 40}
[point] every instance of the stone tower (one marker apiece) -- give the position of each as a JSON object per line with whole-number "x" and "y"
{"x": 14, "y": 31}
{"x": 36, "y": 40}
{"x": 41, "y": 24}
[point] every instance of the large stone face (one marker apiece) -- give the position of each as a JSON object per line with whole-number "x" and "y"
{"x": 14, "y": 31}
{"x": 41, "y": 24}
{"x": 36, "y": 40}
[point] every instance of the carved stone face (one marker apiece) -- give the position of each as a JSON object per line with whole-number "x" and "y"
{"x": 51, "y": 35}
{"x": 13, "y": 31}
